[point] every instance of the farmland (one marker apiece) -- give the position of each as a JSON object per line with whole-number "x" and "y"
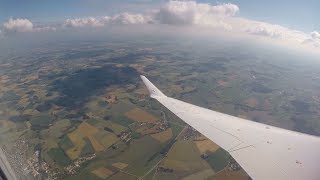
{"x": 78, "y": 110}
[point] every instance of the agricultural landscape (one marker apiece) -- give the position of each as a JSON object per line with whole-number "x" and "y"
{"x": 80, "y": 110}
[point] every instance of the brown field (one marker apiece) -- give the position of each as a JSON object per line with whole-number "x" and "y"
{"x": 102, "y": 172}
{"x": 223, "y": 83}
{"x": 153, "y": 130}
{"x": 204, "y": 174}
{"x": 140, "y": 115}
{"x": 30, "y": 78}
{"x": 120, "y": 165}
{"x": 230, "y": 175}
{"x": 252, "y": 102}
{"x": 267, "y": 105}
{"x": 163, "y": 136}
{"x": 111, "y": 98}
{"x": 206, "y": 146}
{"x": 176, "y": 88}
{"x": 138, "y": 67}
{"x": 4, "y": 79}
{"x": 232, "y": 76}
{"x": 142, "y": 91}
{"x": 87, "y": 129}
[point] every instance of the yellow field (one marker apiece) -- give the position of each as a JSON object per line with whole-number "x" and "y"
{"x": 39, "y": 91}
{"x": 106, "y": 138}
{"x": 230, "y": 175}
{"x": 78, "y": 143}
{"x": 102, "y": 172}
{"x": 77, "y": 138}
{"x": 189, "y": 160}
{"x": 32, "y": 112}
{"x": 50, "y": 143}
{"x": 140, "y": 115}
{"x": 89, "y": 131}
{"x": 24, "y": 101}
{"x": 163, "y": 136}
{"x": 95, "y": 144}
{"x": 117, "y": 128}
{"x": 120, "y": 165}
{"x": 138, "y": 67}
{"x": 206, "y": 146}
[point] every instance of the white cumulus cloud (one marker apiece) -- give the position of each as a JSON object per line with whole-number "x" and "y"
{"x": 123, "y": 18}
{"x": 184, "y": 13}
{"x": 193, "y": 13}
{"x": 84, "y": 22}
{"x": 18, "y": 25}
{"x": 315, "y": 35}
{"x": 128, "y": 18}
{"x": 314, "y": 39}
{"x": 23, "y": 25}
{"x": 265, "y": 29}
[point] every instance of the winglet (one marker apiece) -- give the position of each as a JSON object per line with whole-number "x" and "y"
{"x": 153, "y": 90}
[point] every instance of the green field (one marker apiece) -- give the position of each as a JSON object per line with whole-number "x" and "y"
{"x": 58, "y": 156}
{"x": 219, "y": 159}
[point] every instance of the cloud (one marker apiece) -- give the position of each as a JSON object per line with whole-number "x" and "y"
{"x": 128, "y": 18}
{"x": 18, "y": 25}
{"x": 183, "y": 13}
{"x": 173, "y": 12}
{"x": 84, "y": 22}
{"x": 313, "y": 40}
{"x": 120, "y": 19}
{"x": 264, "y": 29}
{"x": 273, "y": 31}
{"x": 315, "y": 35}
{"x": 23, "y": 25}
{"x": 193, "y": 13}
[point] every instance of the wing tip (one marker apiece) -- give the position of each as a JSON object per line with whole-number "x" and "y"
{"x": 153, "y": 90}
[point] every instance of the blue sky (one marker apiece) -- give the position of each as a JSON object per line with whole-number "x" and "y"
{"x": 295, "y": 14}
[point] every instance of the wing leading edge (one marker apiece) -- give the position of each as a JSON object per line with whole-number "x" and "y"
{"x": 264, "y": 152}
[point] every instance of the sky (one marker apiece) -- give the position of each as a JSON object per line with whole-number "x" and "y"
{"x": 297, "y": 14}
{"x": 287, "y": 21}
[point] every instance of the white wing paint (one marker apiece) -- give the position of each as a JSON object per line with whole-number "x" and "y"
{"x": 264, "y": 152}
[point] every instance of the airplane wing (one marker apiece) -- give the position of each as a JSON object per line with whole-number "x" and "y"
{"x": 264, "y": 152}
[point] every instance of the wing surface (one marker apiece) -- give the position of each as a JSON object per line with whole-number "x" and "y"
{"x": 264, "y": 152}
